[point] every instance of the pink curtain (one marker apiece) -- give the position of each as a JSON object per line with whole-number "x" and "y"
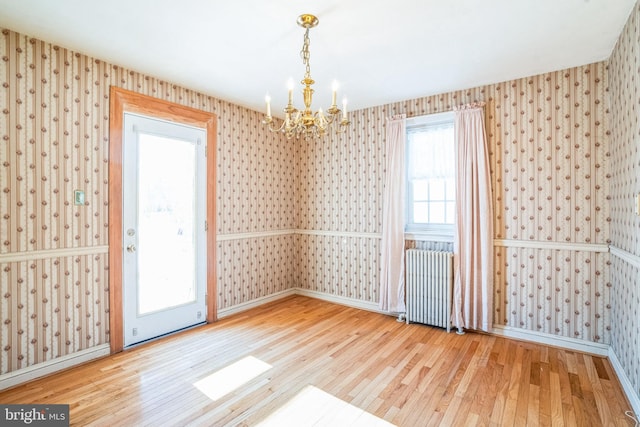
{"x": 392, "y": 258}
{"x": 473, "y": 241}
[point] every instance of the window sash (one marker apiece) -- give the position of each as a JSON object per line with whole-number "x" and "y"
{"x": 430, "y": 174}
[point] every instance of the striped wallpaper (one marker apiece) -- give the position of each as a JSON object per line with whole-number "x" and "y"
{"x": 625, "y": 186}
{"x": 54, "y": 119}
{"x": 60, "y": 308}
{"x": 548, "y": 141}
{"x": 551, "y": 173}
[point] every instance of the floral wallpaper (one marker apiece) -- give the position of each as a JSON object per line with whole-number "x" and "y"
{"x": 340, "y": 178}
{"x": 625, "y": 185}
{"x": 548, "y": 141}
{"x": 560, "y": 190}
{"x": 252, "y": 268}
{"x": 54, "y": 120}
{"x": 344, "y": 266}
{"x": 555, "y": 291}
{"x": 340, "y": 183}
{"x": 548, "y": 136}
{"x": 256, "y": 170}
{"x": 51, "y": 146}
{"x": 52, "y": 307}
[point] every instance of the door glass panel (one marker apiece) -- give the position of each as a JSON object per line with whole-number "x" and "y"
{"x": 166, "y": 218}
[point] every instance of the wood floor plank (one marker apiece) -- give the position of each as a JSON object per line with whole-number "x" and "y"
{"x": 484, "y": 394}
{"x": 523, "y": 400}
{"x": 533, "y": 406}
{"x": 604, "y": 408}
{"x": 366, "y": 368}
{"x": 516, "y": 381}
{"x": 557, "y": 417}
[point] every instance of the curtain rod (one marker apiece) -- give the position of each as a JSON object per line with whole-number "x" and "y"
{"x": 470, "y": 106}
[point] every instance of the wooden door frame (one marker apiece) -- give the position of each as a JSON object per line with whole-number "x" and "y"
{"x": 127, "y": 101}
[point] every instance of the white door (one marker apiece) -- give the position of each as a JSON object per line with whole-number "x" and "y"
{"x": 164, "y": 238}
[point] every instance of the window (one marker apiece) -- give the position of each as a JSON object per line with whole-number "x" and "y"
{"x": 430, "y": 174}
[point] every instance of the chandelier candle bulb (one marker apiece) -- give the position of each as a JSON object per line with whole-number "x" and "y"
{"x": 333, "y": 95}
{"x": 290, "y": 86}
{"x": 344, "y": 108}
{"x": 268, "y": 101}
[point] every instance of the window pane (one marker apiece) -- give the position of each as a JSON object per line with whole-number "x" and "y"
{"x": 166, "y": 214}
{"x": 436, "y": 189}
{"x": 451, "y": 188}
{"x": 451, "y": 213}
{"x": 420, "y": 190}
{"x": 420, "y": 213}
{"x": 436, "y": 213}
{"x": 431, "y": 151}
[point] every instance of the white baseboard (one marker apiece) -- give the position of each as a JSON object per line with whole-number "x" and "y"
{"x": 45, "y": 368}
{"x": 349, "y": 302}
{"x": 552, "y": 340}
{"x": 224, "y": 312}
{"x": 631, "y": 393}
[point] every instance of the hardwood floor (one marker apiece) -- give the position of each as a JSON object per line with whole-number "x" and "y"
{"x": 303, "y": 361}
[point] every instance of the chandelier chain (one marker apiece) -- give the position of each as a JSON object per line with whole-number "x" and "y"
{"x": 305, "y": 54}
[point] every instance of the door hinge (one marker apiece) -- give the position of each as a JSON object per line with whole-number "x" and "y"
{"x": 206, "y": 151}
{"x": 206, "y": 226}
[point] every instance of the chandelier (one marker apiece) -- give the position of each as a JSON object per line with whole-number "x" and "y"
{"x": 306, "y": 123}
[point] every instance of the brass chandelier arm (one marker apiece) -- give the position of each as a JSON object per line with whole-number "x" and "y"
{"x": 295, "y": 128}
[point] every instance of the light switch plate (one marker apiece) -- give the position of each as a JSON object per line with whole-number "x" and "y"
{"x": 78, "y": 198}
{"x": 638, "y": 204}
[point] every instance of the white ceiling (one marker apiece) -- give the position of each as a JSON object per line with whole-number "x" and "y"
{"x": 379, "y": 51}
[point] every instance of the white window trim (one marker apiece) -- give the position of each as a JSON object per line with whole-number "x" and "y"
{"x": 431, "y": 232}
{"x": 430, "y": 119}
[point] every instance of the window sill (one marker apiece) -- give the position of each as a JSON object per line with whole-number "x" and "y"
{"x": 430, "y": 236}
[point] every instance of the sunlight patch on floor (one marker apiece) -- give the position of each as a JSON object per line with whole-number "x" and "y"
{"x": 231, "y": 377}
{"x": 314, "y": 407}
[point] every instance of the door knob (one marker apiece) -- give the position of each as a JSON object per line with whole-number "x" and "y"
{"x": 131, "y": 248}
